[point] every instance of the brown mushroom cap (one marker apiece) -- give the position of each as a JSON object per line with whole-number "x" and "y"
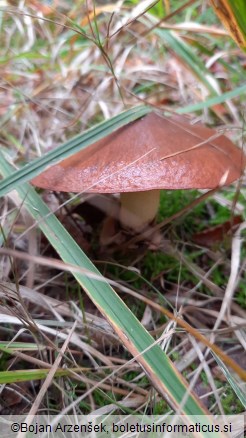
{"x": 150, "y": 153}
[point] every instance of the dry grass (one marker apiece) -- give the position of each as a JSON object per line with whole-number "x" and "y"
{"x": 63, "y": 71}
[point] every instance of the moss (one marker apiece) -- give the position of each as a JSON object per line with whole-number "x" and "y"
{"x": 230, "y": 402}
{"x": 160, "y": 408}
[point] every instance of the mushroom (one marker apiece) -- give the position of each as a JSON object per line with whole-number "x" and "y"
{"x": 143, "y": 157}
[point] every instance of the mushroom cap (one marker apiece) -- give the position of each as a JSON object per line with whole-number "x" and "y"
{"x": 150, "y": 153}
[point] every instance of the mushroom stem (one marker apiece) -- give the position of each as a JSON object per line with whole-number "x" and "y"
{"x": 138, "y": 209}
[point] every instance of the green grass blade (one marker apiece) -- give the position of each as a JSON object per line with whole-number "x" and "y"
{"x": 28, "y": 375}
{"x": 7, "y": 347}
{"x": 229, "y": 377}
{"x": 239, "y": 91}
{"x": 189, "y": 58}
{"x": 70, "y": 147}
{"x": 136, "y": 339}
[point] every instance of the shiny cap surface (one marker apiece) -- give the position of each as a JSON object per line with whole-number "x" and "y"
{"x": 153, "y": 152}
